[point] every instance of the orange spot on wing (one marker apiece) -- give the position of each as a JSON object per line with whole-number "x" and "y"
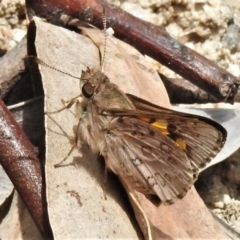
{"x": 181, "y": 143}
{"x": 162, "y": 126}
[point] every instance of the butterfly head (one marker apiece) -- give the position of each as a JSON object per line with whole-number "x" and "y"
{"x": 92, "y": 82}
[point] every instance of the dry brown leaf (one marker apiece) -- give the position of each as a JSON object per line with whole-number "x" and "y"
{"x": 127, "y": 68}
{"x": 6, "y": 186}
{"x": 18, "y": 224}
{"x": 75, "y": 196}
{"x": 76, "y": 205}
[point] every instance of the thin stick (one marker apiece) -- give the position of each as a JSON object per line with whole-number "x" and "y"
{"x": 149, "y": 232}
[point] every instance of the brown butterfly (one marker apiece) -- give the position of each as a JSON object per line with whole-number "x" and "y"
{"x": 156, "y": 151}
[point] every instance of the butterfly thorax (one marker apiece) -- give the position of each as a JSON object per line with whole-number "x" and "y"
{"x": 99, "y": 95}
{"x": 104, "y": 94}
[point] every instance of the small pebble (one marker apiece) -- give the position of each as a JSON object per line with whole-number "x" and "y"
{"x": 226, "y": 199}
{"x": 219, "y": 204}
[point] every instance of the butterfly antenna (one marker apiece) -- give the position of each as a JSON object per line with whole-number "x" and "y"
{"x": 105, "y": 38}
{"x": 39, "y": 61}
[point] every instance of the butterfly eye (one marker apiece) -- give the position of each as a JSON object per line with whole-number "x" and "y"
{"x": 87, "y": 90}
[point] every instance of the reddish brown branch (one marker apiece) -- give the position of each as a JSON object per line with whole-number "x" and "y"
{"x": 149, "y": 39}
{"x": 181, "y": 91}
{"x": 19, "y": 160}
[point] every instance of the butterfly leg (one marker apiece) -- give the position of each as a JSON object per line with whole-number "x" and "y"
{"x": 69, "y": 153}
{"x": 105, "y": 182}
{"x": 69, "y": 104}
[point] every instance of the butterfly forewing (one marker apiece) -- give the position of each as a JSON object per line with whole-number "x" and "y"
{"x": 203, "y": 138}
{"x": 154, "y": 150}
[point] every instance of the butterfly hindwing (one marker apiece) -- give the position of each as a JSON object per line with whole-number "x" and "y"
{"x": 148, "y": 158}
